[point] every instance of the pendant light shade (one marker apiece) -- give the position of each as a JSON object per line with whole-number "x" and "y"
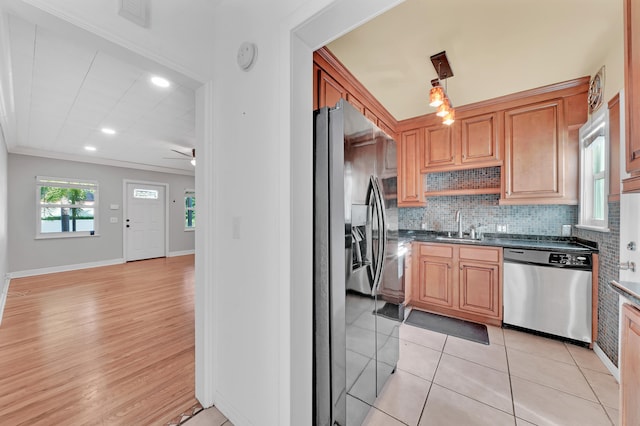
{"x": 436, "y": 96}
{"x": 444, "y": 108}
{"x": 450, "y": 117}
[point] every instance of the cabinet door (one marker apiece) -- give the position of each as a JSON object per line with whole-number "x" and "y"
{"x": 316, "y": 87}
{"x": 479, "y": 139}
{"x": 480, "y": 288}
{"x": 408, "y": 278}
{"x": 630, "y": 366}
{"x": 435, "y": 283}
{"x": 534, "y": 156}
{"x": 614, "y": 148}
{"x": 355, "y": 103}
{"x": 330, "y": 91}
{"x": 632, "y": 84}
{"x": 438, "y": 150}
{"x": 410, "y": 186}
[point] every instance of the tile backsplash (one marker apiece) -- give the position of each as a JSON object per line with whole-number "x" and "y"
{"x": 484, "y": 210}
{"x": 439, "y": 215}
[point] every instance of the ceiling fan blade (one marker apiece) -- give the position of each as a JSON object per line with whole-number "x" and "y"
{"x": 182, "y": 153}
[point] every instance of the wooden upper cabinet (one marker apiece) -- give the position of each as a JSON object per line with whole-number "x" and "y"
{"x": 437, "y": 148}
{"x": 632, "y": 84}
{"x": 316, "y": 91}
{"x": 355, "y": 103}
{"x": 410, "y": 183}
{"x": 534, "y": 154}
{"x": 630, "y": 366}
{"x": 479, "y": 142}
{"x": 471, "y": 142}
{"x": 614, "y": 148}
{"x": 330, "y": 91}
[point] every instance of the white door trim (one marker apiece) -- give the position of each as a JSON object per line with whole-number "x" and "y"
{"x": 125, "y": 207}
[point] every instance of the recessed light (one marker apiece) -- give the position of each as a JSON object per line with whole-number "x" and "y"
{"x": 160, "y": 82}
{"x": 90, "y": 148}
{"x": 108, "y": 131}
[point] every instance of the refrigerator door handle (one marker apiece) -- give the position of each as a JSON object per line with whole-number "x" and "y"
{"x": 373, "y": 257}
{"x": 382, "y": 241}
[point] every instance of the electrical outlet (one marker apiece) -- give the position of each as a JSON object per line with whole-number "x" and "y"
{"x": 501, "y": 228}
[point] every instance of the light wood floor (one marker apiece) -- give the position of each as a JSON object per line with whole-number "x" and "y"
{"x": 109, "y": 345}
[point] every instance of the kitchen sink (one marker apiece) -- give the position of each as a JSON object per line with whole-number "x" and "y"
{"x": 458, "y": 239}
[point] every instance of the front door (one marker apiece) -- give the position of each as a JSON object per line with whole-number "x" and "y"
{"x": 145, "y": 221}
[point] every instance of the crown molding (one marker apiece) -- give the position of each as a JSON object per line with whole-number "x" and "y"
{"x": 101, "y": 161}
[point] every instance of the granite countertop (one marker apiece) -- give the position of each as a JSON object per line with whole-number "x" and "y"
{"x": 629, "y": 289}
{"x": 535, "y": 242}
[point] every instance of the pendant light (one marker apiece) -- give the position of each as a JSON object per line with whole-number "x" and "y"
{"x": 444, "y": 108}
{"x": 438, "y": 97}
{"x": 450, "y": 117}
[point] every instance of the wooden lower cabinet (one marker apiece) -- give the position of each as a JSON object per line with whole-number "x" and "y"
{"x": 459, "y": 281}
{"x": 479, "y": 288}
{"x": 436, "y": 283}
{"x": 630, "y": 366}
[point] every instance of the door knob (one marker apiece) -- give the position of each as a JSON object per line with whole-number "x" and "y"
{"x": 631, "y": 246}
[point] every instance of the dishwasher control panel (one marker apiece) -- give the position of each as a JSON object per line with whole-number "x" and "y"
{"x": 570, "y": 259}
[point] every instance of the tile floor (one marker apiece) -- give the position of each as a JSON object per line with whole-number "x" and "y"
{"x": 519, "y": 379}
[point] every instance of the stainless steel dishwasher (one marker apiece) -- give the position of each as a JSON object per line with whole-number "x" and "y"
{"x": 548, "y": 291}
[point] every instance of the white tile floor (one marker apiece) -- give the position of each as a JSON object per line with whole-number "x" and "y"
{"x": 519, "y": 379}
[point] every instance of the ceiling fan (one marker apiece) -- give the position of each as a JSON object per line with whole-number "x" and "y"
{"x": 191, "y": 157}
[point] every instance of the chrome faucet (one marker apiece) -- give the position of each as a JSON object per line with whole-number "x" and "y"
{"x": 459, "y": 222}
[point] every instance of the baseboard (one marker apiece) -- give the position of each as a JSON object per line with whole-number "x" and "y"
{"x": 64, "y": 268}
{"x": 236, "y": 416}
{"x": 181, "y": 253}
{"x": 3, "y": 297}
{"x": 607, "y": 362}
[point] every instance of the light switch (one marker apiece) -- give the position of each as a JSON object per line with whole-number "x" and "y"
{"x": 114, "y": 206}
{"x": 113, "y": 219}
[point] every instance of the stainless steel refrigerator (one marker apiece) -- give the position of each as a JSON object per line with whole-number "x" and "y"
{"x": 358, "y": 293}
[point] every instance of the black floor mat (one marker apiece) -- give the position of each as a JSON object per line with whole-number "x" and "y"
{"x": 451, "y": 326}
{"x": 392, "y": 311}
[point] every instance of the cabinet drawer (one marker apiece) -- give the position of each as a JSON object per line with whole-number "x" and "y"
{"x": 483, "y": 254}
{"x": 438, "y": 250}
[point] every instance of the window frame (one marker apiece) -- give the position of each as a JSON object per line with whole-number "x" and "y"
{"x": 62, "y": 182}
{"x": 589, "y": 132}
{"x": 192, "y": 193}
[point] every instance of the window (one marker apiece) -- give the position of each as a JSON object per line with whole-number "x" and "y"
{"x": 147, "y": 194}
{"x": 189, "y": 209}
{"x": 594, "y": 171}
{"x": 66, "y": 207}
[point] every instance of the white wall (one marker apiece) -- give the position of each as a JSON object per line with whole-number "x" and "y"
{"x": 254, "y": 297}
{"x": 4, "y": 243}
{"x": 262, "y": 120}
{"x": 28, "y": 254}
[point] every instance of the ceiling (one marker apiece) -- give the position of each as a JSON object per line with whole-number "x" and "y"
{"x": 495, "y": 47}
{"x": 67, "y": 84}
{"x": 65, "y": 90}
